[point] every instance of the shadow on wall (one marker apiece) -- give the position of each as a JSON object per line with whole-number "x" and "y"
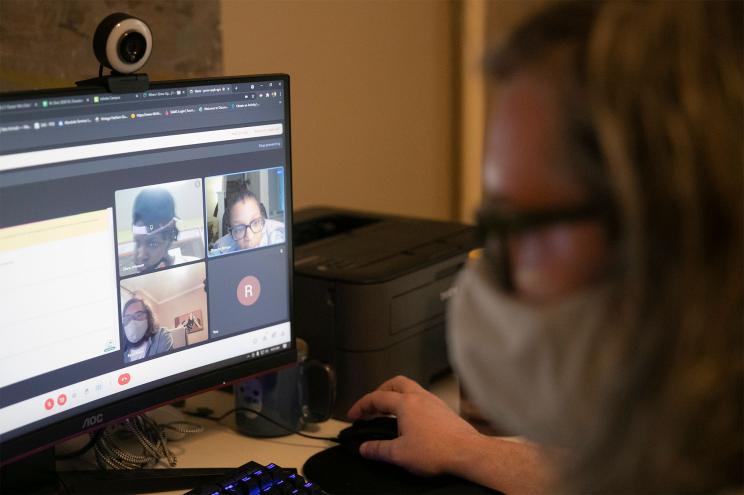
{"x": 48, "y": 43}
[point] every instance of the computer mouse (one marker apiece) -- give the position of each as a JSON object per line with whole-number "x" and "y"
{"x": 362, "y": 430}
{"x": 341, "y": 469}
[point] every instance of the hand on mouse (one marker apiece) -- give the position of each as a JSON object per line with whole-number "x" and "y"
{"x": 434, "y": 440}
{"x": 428, "y": 428}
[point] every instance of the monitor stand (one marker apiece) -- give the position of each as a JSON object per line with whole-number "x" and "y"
{"x": 37, "y": 474}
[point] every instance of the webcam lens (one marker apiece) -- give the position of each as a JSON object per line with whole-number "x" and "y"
{"x": 132, "y": 47}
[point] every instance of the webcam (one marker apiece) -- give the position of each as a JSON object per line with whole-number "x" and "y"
{"x": 122, "y": 43}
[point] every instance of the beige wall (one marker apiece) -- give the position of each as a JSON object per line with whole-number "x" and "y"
{"x": 373, "y": 110}
{"x": 472, "y": 106}
{"x": 485, "y": 24}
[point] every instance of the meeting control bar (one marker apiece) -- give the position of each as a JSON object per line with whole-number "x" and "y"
{"x": 87, "y": 151}
{"x": 249, "y": 345}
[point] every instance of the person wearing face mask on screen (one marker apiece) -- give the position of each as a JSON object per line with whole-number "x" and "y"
{"x": 602, "y": 321}
{"x": 143, "y": 337}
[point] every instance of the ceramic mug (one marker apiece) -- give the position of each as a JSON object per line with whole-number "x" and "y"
{"x": 294, "y": 396}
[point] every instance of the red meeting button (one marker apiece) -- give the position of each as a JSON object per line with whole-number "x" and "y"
{"x": 48, "y": 404}
{"x": 124, "y": 378}
{"x": 62, "y": 399}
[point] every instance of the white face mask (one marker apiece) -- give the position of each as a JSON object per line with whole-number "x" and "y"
{"x": 530, "y": 368}
{"x": 135, "y": 330}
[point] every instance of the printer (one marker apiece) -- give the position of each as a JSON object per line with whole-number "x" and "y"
{"x": 370, "y": 293}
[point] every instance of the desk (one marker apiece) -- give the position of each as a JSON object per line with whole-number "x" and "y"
{"x": 220, "y": 445}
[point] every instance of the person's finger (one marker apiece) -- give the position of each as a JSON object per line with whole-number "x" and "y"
{"x": 378, "y": 450}
{"x": 401, "y": 384}
{"x": 377, "y": 402}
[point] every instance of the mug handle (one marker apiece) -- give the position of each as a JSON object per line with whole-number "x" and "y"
{"x": 330, "y": 386}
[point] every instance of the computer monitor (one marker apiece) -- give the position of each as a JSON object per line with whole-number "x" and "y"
{"x": 145, "y": 249}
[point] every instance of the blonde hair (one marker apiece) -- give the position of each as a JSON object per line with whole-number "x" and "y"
{"x": 665, "y": 85}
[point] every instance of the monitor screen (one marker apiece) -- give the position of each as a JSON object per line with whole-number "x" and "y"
{"x": 145, "y": 249}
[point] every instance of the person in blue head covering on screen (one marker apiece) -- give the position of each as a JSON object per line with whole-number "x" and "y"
{"x": 154, "y": 230}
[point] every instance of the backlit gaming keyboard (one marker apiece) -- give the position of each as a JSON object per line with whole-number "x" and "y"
{"x": 255, "y": 479}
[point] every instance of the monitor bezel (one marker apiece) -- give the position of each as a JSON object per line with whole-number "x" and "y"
{"x": 34, "y": 441}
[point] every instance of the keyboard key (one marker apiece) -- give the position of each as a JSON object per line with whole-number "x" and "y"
{"x": 254, "y": 479}
{"x": 264, "y": 479}
{"x": 312, "y": 488}
{"x": 231, "y": 488}
{"x": 296, "y": 480}
{"x": 249, "y": 486}
{"x": 284, "y": 487}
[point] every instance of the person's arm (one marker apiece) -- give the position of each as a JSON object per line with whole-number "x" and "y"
{"x": 506, "y": 465}
{"x": 434, "y": 440}
{"x": 161, "y": 342}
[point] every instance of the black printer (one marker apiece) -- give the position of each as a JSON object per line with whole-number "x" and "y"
{"x": 370, "y": 293}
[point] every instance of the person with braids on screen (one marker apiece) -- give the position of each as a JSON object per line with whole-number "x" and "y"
{"x": 248, "y": 227}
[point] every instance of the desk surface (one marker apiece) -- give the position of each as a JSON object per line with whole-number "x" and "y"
{"x": 220, "y": 445}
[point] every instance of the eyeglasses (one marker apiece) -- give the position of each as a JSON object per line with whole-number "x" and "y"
{"x": 238, "y": 232}
{"x": 494, "y": 229}
{"x": 139, "y": 316}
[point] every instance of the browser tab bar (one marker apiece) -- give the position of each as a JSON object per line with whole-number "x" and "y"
{"x": 247, "y": 90}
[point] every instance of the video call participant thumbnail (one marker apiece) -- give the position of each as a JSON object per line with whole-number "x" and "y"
{"x": 248, "y": 226}
{"x": 159, "y": 226}
{"x": 144, "y": 337}
{"x": 154, "y": 230}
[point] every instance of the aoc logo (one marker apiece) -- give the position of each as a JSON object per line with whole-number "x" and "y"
{"x": 92, "y": 420}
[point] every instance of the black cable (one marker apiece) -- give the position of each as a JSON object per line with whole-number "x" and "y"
{"x": 206, "y": 413}
{"x": 62, "y": 487}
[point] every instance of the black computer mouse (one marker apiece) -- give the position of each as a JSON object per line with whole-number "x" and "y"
{"x": 341, "y": 469}
{"x": 381, "y": 428}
